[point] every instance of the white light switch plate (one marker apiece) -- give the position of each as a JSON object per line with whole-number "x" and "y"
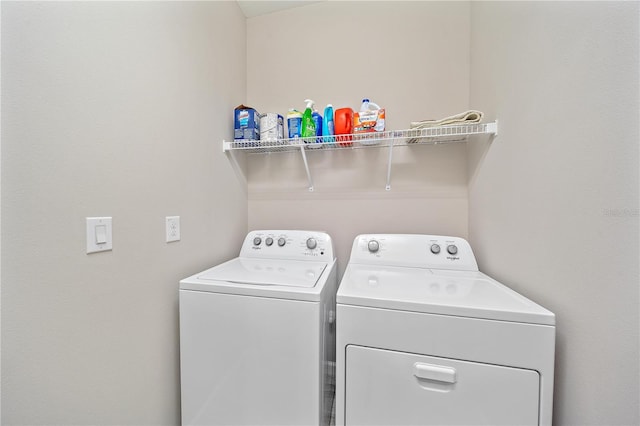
{"x": 99, "y": 235}
{"x": 173, "y": 228}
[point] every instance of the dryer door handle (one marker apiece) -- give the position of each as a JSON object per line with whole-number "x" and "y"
{"x": 438, "y": 373}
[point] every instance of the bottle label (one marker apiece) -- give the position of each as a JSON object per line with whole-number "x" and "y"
{"x": 369, "y": 121}
{"x": 243, "y": 118}
{"x": 310, "y": 129}
{"x": 294, "y": 127}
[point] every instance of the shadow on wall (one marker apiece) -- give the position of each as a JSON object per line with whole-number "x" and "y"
{"x": 477, "y": 154}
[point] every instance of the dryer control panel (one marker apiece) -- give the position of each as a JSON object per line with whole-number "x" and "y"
{"x": 288, "y": 244}
{"x": 413, "y": 250}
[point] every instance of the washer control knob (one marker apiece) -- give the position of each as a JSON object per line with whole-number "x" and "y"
{"x": 282, "y": 241}
{"x": 268, "y": 241}
{"x": 452, "y": 249}
{"x": 373, "y": 246}
{"x": 435, "y": 248}
{"x": 311, "y": 243}
{"x": 257, "y": 241}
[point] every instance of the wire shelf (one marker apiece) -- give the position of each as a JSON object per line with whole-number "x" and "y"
{"x": 390, "y": 139}
{"x": 428, "y": 135}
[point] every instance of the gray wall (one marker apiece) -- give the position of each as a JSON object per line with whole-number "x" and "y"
{"x": 111, "y": 109}
{"x": 553, "y": 202}
{"x": 411, "y": 58}
{"x": 550, "y": 206}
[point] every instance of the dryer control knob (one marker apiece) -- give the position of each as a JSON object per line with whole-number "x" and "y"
{"x": 435, "y": 248}
{"x": 268, "y": 241}
{"x": 311, "y": 243}
{"x": 373, "y": 246}
{"x": 282, "y": 241}
{"x": 452, "y": 249}
{"x": 257, "y": 241}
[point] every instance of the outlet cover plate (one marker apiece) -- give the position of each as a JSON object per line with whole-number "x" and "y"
{"x": 173, "y": 228}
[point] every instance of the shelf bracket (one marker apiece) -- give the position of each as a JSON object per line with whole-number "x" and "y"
{"x": 306, "y": 167}
{"x": 492, "y": 128}
{"x": 388, "y": 187}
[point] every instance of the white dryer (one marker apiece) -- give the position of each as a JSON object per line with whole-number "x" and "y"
{"x": 424, "y": 338}
{"x": 257, "y": 341}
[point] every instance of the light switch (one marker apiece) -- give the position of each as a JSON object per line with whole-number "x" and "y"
{"x": 99, "y": 232}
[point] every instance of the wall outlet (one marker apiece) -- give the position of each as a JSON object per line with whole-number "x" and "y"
{"x": 173, "y": 228}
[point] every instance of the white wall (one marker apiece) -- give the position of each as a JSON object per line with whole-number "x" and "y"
{"x": 554, "y": 200}
{"x": 111, "y": 109}
{"x": 415, "y": 63}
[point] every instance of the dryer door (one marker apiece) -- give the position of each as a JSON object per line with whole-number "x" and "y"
{"x": 394, "y": 388}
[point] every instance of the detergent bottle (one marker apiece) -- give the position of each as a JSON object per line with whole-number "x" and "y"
{"x": 370, "y": 118}
{"x": 343, "y": 121}
{"x": 294, "y": 122}
{"x": 367, "y": 105}
{"x": 317, "y": 120}
{"x": 308, "y": 125}
{"x": 328, "y": 128}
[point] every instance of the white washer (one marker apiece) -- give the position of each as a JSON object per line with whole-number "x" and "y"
{"x": 424, "y": 338}
{"x": 257, "y": 339}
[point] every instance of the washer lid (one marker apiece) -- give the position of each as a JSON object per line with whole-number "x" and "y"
{"x": 266, "y": 272}
{"x": 465, "y": 294}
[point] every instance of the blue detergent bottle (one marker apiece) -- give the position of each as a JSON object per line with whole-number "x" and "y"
{"x": 317, "y": 119}
{"x": 328, "y": 128}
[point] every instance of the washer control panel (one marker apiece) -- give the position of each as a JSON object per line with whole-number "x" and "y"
{"x": 288, "y": 244}
{"x": 412, "y": 250}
